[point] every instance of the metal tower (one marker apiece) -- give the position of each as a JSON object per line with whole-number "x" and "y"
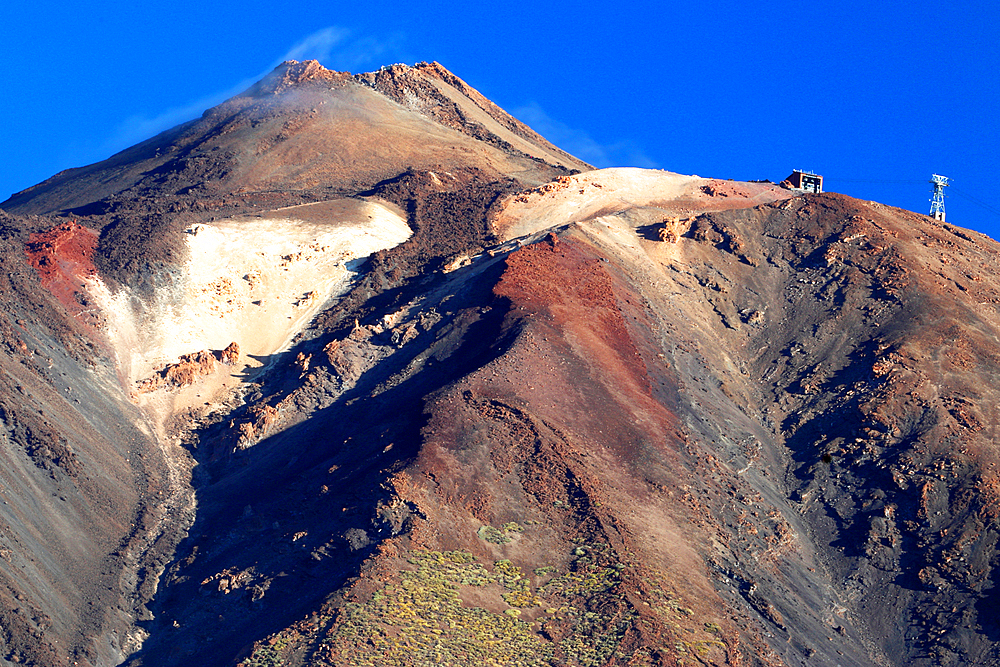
{"x": 937, "y": 201}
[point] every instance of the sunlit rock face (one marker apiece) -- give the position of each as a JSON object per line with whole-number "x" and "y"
{"x": 255, "y": 281}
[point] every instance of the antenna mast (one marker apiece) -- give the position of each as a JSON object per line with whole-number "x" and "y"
{"x": 937, "y": 201}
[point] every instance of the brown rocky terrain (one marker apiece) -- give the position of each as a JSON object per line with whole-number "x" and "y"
{"x": 190, "y": 368}
{"x": 578, "y": 417}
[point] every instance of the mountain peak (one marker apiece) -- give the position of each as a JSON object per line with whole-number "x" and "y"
{"x": 295, "y": 73}
{"x": 303, "y": 127}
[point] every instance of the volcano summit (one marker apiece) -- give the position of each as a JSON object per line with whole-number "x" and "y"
{"x": 361, "y": 370}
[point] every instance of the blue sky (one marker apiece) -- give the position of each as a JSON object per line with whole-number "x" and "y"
{"x": 875, "y": 96}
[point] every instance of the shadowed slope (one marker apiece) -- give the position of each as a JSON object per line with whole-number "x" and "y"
{"x": 90, "y": 500}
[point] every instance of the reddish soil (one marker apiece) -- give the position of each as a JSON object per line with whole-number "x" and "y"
{"x": 74, "y": 465}
{"x": 64, "y": 258}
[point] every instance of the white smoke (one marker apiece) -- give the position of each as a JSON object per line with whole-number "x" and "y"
{"x": 340, "y": 49}
{"x": 138, "y": 128}
{"x": 580, "y": 144}
{"x": 334, "y": 47}
{"x": 317, "y": 46}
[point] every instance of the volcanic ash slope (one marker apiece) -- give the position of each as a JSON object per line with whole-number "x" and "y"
{"x": 666, "y": 429}
{"x": 618, "y": 417}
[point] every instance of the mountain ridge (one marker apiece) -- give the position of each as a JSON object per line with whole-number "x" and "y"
{"x": 483, "y": 402}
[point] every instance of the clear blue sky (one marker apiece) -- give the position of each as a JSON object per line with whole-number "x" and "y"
{"x": 876, "y": 96}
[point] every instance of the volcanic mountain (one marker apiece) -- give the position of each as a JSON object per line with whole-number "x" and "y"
{"x": 360, "y": 370}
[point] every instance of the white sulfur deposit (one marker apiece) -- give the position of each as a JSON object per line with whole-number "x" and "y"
{"x": 256, "y": 281}
{"x": 587, "y": 195}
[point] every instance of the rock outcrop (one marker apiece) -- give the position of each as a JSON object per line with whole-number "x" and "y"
{"x": 189, "y": 368}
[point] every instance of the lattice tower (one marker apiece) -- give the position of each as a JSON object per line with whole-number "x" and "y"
{"x": 937, "y": 201}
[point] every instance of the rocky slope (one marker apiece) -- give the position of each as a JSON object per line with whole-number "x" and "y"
{"x": 480, "y": 404}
